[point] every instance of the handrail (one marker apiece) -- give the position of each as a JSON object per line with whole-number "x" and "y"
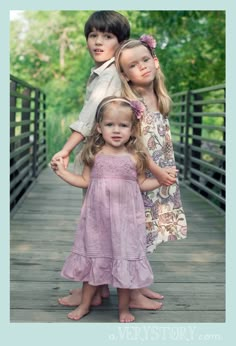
{"x": 198, "y": 123}
{"x": 27, "y": 137}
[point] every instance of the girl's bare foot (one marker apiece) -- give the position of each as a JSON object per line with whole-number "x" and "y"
{"x": 125, "y": 316}
{"x": 74, "y": 299}
{"x": 139, "y": 301}
{"x": 105, "y": 293}
{"x": 75, "y": 290}
{"x": 78, "y": 313}
{"x": 151, "y": 294}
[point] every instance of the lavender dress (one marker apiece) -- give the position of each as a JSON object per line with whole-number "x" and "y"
{"x": 110, "y": 241}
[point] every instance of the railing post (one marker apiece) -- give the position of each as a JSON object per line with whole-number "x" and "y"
{"x": 196, "y": 120}
{"x": 36, "y": 133}
{"x": 181, "y": 137}
{"x": 223, "y": 149}
{"x": 25, "y": 116}
{"x": 44, "y": 123}
{"x": 12, "y": 114}
{"x": 186, "y": 140}
{"x": 13, "y": 100}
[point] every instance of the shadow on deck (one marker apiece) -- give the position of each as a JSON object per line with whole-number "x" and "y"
{"x": 190, "y": 273}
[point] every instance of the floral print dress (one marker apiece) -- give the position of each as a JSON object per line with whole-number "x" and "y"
{"x": 165, "y": 218}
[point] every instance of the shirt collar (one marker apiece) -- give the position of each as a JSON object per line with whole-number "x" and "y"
{"x": 101, "y": 68}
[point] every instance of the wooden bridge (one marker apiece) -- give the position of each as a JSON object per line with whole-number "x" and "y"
{"x": 190, "y": 273}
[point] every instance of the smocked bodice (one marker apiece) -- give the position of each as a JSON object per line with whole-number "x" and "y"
{"x": 114, "y": 166}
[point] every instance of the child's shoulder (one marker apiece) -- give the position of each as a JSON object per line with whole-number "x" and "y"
{"x": 133, "y": 158}
{"x": 110, "y": 71}
{"x": 106, "y": 67}
{"x": 107, "y": 74}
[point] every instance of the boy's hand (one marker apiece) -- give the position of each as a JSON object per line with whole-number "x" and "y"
{"x": 64, "y": 154}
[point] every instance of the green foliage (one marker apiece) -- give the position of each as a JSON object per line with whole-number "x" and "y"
{"x": 191, "y": 46}
{"x": 48, "y": 50}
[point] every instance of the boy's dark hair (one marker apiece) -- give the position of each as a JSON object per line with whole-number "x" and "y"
{"x": 108, "y": 21}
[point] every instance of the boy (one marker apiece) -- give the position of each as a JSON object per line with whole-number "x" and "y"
{"x": 104, "y": 30}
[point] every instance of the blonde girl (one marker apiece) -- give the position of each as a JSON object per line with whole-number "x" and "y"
{"x": 143, "y": 79}
{"x": 110, "y": 241}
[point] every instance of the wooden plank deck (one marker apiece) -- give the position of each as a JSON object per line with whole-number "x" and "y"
{"x": 190, "y": 273}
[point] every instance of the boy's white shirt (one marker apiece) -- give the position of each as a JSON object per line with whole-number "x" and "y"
{"x": 103, "y": 81}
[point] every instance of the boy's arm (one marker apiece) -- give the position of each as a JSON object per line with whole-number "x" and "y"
{"x": 147, "y": 184}
{"x": 165, "y": 176}
{"x": 105, "y": 84}
{"x": 71, "y": 178}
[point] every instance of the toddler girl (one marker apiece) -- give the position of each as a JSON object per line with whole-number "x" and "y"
{"x": 110, "y": 241}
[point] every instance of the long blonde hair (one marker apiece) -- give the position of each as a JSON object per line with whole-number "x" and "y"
{"x": 95, "y": 141}
{"x": 128, "y": 90}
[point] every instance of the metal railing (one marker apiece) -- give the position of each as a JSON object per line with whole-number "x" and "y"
{"x": 198, "y": 130}
{"x": 197, "y": 124}
{"x": 27, "y": 137}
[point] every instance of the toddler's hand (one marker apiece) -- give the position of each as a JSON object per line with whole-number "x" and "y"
{"x": 59, "y": 165}
{"x": 172, "y": 171}
{"x": 168, "y": 176}
{"x": 64, "y": 154}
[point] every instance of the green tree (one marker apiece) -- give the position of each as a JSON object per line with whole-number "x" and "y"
{"x": 48, "y": 50}
{"x": 191, "y": 46}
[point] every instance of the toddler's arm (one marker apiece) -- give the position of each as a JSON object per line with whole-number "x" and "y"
{"x": 166, "y": 176}
{"x": 147, "y": 184}
{"x": 71, "y": 178}
{"x": 74, "y": 139}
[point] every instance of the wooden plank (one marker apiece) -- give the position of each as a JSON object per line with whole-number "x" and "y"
{"x": 194, "y": 232}
{"x": 97, "y": 316}
{"x": 178, "y": 296}
{"x": 182, "y": 246}
{"x": 44, "y": 274}
{"x": 164, "y": 267}
{"x": 49, "y": 255}
{"x": 45, "y": 234}
{"x": 23, "y": 218}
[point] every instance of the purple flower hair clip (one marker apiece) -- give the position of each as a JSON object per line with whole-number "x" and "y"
{"x": 138, "y": 108}
{"x": 149, "y": 40}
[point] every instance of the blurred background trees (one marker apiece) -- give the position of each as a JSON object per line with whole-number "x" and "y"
{"x": 48, "y": 50}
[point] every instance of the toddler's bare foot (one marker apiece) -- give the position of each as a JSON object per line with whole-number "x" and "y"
{"x": 151, "y": 294}
{"x": 71, "y": 300}
{"x": 74, "y": 299}
{"x": 76, "y": 291}
{"x": 78, "y": 313}
{"x": 139, "y": 301}
{"x": 125, "y": 316}
{"x": 105, "y": 293}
